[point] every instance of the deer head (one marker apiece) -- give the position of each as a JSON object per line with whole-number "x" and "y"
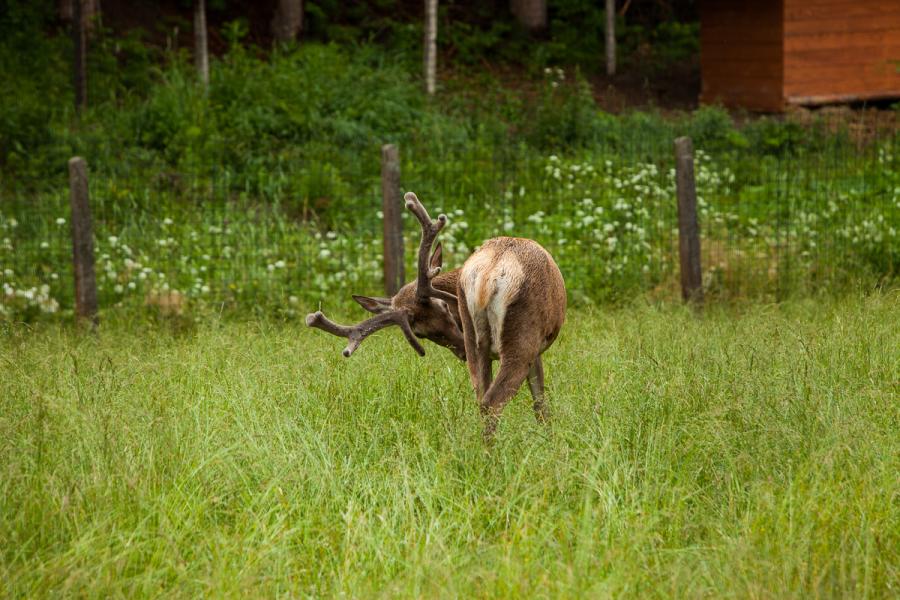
{"x": 420, "y": 309}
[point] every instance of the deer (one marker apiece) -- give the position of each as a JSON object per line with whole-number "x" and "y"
{"x": 507, "y": 302}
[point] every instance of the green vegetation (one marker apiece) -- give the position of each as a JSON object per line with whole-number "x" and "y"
{"x": 608, "y": 223}
{"x": 268, "y": 114}
{"x": 750, "y": 450}
{"x": 263, "y": 190}
{"x": 730, "y": 455}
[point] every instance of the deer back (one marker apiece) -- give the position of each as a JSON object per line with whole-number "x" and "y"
{"x": 515, "y": 293}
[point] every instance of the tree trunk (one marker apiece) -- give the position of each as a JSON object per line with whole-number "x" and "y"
{"x": 610, "y": 37}
{"x": 201, "y": 48}
{"x": 79, "y": 63}
{"x": 90, "y": 10}
{"x": 532, "y": 14}
{"x": 288, "y": 21}
{"x": 430, "y": 58}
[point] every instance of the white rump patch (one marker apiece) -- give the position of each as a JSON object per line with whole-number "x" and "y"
{"x": 490, "y": 289}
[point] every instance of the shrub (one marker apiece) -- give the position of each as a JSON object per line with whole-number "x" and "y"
{"x": 567, "y": 115}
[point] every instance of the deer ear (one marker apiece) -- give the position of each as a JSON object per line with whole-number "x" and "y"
{"x": 437, "y": 257}
{"x": 374, "y": 305}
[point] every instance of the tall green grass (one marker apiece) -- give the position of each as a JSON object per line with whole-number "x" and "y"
{"x": 747, "y": 453}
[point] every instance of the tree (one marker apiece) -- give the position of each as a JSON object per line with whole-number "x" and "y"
{"x": 90, "y": 10}
{"x": 82, "y": 14}
{"x": 288, "y": 20}
{"x": 430, "y": 56}
{"x": 532, "y": 14}
{"x": 611, "y": 37}
{"x": 79, "y": 62}
{"x": 201, "y": 48}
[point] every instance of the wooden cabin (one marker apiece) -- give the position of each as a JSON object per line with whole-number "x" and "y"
{"x": 768, "y": 54}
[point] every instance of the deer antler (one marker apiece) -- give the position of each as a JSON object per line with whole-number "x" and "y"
{"x": 428, "y": 268}
{"x": 357, "y": 333}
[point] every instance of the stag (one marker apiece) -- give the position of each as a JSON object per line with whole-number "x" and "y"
{"x": 507, "y": 302}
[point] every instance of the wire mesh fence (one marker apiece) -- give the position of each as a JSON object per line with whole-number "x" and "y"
{"x": 772, "y": 225}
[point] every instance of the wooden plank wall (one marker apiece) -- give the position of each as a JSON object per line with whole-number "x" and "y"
{"x": 741, "y": 53}
{"x": 841, "y": 50}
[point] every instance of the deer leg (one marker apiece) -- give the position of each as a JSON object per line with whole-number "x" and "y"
{"x": 478, "y": 355}
{"x": 509, "y": 379}
{"x": 536, "y": 385}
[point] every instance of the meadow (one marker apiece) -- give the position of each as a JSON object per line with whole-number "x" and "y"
{"x": 203, "y": 442}
{"x": 732, "y": 453}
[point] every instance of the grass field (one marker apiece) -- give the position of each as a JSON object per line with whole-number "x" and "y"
{"x": 749, "y": 452}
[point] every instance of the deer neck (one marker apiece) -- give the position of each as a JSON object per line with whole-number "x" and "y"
{"x": 446, "y": 281}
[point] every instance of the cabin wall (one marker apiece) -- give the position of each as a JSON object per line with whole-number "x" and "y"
{"x": 841, "y": 50}
{"x": 741, "y": 56}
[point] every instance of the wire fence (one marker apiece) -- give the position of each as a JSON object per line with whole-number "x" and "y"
{"x": 772, "y": 225}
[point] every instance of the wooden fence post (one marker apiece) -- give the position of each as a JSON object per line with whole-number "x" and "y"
{"x": 392, "y": 209}
{"x": 82, "y": 242}
{"x": 688, "y": 229}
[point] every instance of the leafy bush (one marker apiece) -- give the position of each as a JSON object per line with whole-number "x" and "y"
{"x": 673, "y": 43}
{"x": 34, "y": 69}
{"x": 773, "y": 136}
{"x": 711, "y": 127}
{"x": 567, "y": 116}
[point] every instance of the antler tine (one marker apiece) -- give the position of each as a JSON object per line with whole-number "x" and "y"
{"x": 430, "y": 229}
{"x": 357, "y": 333}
